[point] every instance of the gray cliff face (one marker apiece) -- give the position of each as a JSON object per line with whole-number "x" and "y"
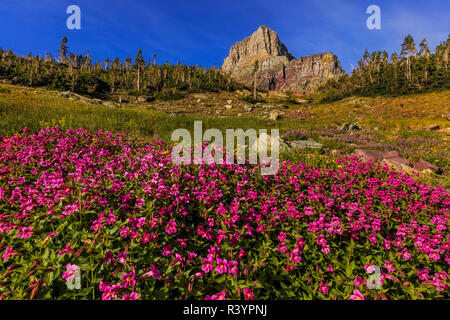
{"x": 278, "y": 68}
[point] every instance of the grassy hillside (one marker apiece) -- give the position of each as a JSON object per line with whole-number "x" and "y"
{"x": 387, "y": 123}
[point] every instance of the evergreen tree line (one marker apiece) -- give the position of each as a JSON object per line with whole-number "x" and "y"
{"x": 415, "y": 69}
{"x": 78, "y": 73}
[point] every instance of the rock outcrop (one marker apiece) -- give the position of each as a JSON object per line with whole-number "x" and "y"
{"x": 265, "y": 140}
{"x": 277, "y": 67}
{"x": 395, "y": 160}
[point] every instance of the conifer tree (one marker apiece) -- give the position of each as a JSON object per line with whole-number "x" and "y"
{"x": 138, "y": 64}
{"x": 63, "y": 50}
{"x": 408, "y": 48}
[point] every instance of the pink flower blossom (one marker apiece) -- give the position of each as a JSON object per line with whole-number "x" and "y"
{"x": 248, "y": 294}
{"x": 218, "y": 296}
{"x": 145, "y": 238}
{"x": 356, "y": 295}
{"x": 308, "y": 211}
{"x": 221, "y": 210}
{"x": 373, "y": 238}
{"x": 154, "y": 273}
{"x": 423, "y": 274}
{"x": 108, "y": 256}
{"x": 97, "y": 224}
{"x": 233, "y": 268}
{"x": 358, "y": 281}
{"x": 66, "y": 250}
{"x": 128, "y": 280}
{"x": 207, "y": 265}
{"x": 167, "y": 250}
{"x": 323, "y": 288}
{"x": 171, "y": 227}
{"x": 131, "y": 296}
{"x": 282, "y": 236}
{"x": 389, "y": 266}
{"x": 221, "y": 265}
{"x": 70, "y": 272}
{"x": 8, "y": 253}
{"x": 369, "y": 268}
{"x": 108, "y": 294}
{"x": 110, "y": 219}
{"x": 25, "y": 232}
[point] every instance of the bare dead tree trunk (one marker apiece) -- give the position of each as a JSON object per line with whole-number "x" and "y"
{"x": 138, "y": 78}
{"x": 254, "y": 87}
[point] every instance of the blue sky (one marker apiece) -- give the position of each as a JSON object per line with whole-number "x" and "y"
{"x": 202, "y": 31}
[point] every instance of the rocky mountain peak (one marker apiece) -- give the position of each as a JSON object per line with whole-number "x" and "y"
{"x": 263, "y": 44}
{"x": 278, "y": 68}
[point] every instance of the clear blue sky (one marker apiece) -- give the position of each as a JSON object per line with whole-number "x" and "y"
{"x": 202, "y": 31}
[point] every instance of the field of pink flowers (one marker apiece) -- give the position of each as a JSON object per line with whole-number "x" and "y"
{"x": 139, "y": 227}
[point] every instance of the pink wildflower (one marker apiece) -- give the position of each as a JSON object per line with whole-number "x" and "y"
{"x": 356, "y": 295}
{"x": 71, "y": 269}
{"x": 248, "y": 294}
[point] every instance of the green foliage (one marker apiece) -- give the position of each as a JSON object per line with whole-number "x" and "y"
{"x": 251, "y": 100}
{"x": 79, "y": 74}
{"x": 170, "y": 95}
{"x": 412, "y": 72}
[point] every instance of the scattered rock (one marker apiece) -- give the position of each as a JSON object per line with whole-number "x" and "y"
{"x": 432, "y": 127}
{"x": 284, "y": 145}
{"x": 394, "y": 159}
{"x": 399, "y": 163}
{"x": 268, "y": 106}
{"x": 423, "y": 165}
{"x": 199, "y": 96}
{"x": 376, "y": 155}
{"x": 350, "y": 127}
{"x": 274, "y": 115}
{"x": 122, "y": 100}
{"x": 92, "y": 101}
{"x": 229, "y": 101}
{"x": 304, "y": 144}
{"x": 228, "y": 106}
{"x": 145, "y": 99}
{"x": 64, "y": 94}
{"x": 248, "y": 108}
{"x": 243, "y": 92}
{"x": 108, "y": 103}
